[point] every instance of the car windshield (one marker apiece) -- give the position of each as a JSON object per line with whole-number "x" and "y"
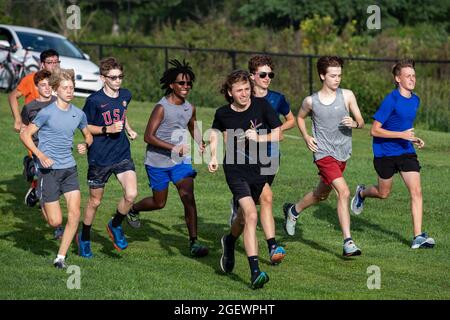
{"x": 38, "y": 42}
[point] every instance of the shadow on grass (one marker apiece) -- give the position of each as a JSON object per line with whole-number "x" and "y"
{"x": 29, "y": 224}
{"x": 327, "y": 213}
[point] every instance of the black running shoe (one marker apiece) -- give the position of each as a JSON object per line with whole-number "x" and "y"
{"x": 31, "y": 198}
{"x": 227, "y": 259}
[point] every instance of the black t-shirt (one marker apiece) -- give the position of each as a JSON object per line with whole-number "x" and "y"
{"x": 243, "y": 159}
{"x": 30, "y": 110}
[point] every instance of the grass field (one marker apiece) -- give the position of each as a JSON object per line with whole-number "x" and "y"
{"x": 157, "y": 264}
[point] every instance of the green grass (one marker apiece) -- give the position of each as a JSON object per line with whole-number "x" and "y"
{"x": 157, "y": 264}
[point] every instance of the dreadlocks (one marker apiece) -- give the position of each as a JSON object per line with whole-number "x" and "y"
{"x": 170, "y": 75}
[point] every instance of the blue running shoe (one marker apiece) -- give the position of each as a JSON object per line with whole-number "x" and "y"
{"x": 84, "y": 247}
{"x": 260, "y": 280}
{"x": 277, "y": 254}
{"x": 357, "y": 204}
{"x": 117, "y": 236}
{"x": 422, "y": 241}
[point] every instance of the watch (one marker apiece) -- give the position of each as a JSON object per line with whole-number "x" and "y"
{"x": 104, "y": 129}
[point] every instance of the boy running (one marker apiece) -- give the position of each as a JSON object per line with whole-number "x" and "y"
{"x": 331, "y": 144}
{"x": 244, "y": 123}
{"x": 29, "y": 112}
{"x": 167, "y": 151}
{"x": 109, "y": 154}
{"x": 393, "y": 150}
{"x": 57, "y": 172}
{"x": 261, "y": 70}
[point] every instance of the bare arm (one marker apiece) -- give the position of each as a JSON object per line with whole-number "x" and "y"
{"x": 358, "y": 122}
{"x": 195, "y": 132}
{"x": 88, "y": 139}
{"x": 304, "y": 111}
{"x": 273, "y": 136}
{"x": 289, "y": 123}
{"x": 213, "y": 139}
{"x": 26, "y": 137}
{"x": 378, "y": 131}
{"x": 14, "y": 105}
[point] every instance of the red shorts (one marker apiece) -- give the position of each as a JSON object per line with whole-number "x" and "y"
{"x": 330, "y": 169}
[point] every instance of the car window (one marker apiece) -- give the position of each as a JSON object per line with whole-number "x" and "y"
{"x": 7, "y": 36}
{"x": 38, "y": 42}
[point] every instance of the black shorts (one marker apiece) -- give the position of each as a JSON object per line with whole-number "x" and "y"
{"x": 386, "y": 167}
{"x": 52, "y": 183}
{"x": 240, "y": 188}
{"x": 99, "y": 176}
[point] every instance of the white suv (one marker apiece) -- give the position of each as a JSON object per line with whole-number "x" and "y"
{"x": 87, "y": 75}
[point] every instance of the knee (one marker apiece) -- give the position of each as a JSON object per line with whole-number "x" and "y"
{"x": 416, "y": 193}
{"x": 344, "y": 193}
{"x": 384, "y": 194}
{"x": 320, "y": 196}
{"x": 266, "y": 198}
{"x": 130, "y": 196}
{"x": 160, "y": 204}
{"x": 251, "y": 218}
{"x": 54, "y": 221}
{"x": 94, "y": 203}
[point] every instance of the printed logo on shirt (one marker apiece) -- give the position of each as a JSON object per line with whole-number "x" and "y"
{"x": 124, "y": 103}
{"x": 103, "y": 105}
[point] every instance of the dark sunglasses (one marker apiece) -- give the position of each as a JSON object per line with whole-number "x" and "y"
{"x": 182, "y": 83}
{"x": 114, "y": 78}
{"x": 264, "y": 74}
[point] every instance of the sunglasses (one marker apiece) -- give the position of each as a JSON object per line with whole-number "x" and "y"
{"x": 114, "y": 78}
{"x": 182, "y": 83}
{"x": 264, "y": 74}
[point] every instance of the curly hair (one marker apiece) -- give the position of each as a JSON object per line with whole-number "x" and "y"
{"x": 258, "y": 61}
{"x": 171, "y": 74}
{"x": 232, "y": 78}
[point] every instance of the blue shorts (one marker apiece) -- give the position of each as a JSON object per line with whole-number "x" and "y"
{"x": 160, "y": 177}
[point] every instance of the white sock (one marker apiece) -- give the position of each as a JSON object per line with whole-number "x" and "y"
{"x": 60, "y": 257}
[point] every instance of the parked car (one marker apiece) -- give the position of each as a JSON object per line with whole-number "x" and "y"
{"x": 87, "y": 75}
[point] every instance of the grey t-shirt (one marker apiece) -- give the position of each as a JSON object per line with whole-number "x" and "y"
{"x": 332, "y": 137}
{"x": 173, "y": 129}
{"x": 56, "y": 130}
{"x": 31, "y": 109}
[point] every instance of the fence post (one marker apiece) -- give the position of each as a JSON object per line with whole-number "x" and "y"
{"x": 166, "y": 58}
{"x": 310, "y": 77}
{"x": 233, "y": 59}
{"x": 100, "y": 52}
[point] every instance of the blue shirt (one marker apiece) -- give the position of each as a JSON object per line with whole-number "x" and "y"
{"x": 281, "y": 107}
{"x": 396, "y": 113}
{"x": 102, "y": 110}
{"x": 56, "y": 130}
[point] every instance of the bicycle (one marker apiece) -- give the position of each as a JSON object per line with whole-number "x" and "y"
{"x": 12, "y": 70}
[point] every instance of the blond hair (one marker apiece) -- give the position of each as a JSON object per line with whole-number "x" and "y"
{"x": 59, "y": 75}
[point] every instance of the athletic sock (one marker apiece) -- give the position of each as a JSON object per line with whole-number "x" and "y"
{"x": 294, "y": 212}
{"x": 192, "y": 240}
{"x": 117, "y": 220}
{"x": 271, "y": 244}
{"x": 86, "y": 233}
{"x": 254, "y": 266}
{"x": 347, "y": 240}
{"x": 60, "y": 257}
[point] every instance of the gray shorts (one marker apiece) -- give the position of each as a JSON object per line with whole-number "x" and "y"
{"x": 52, "y": 183}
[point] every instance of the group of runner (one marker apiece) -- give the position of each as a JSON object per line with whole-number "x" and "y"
{"x": 249, "y": 124}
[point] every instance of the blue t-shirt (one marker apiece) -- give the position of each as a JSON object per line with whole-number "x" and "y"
{"x": 56, "y": 130}
{"x": 102, "y": 110}
{"x": 281, "y": 107}
{"x": 396, "y": 113}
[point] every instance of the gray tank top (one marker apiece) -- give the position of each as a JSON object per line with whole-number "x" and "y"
{"x": 173, "y": 129}
{"x": 333, "y": 139}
